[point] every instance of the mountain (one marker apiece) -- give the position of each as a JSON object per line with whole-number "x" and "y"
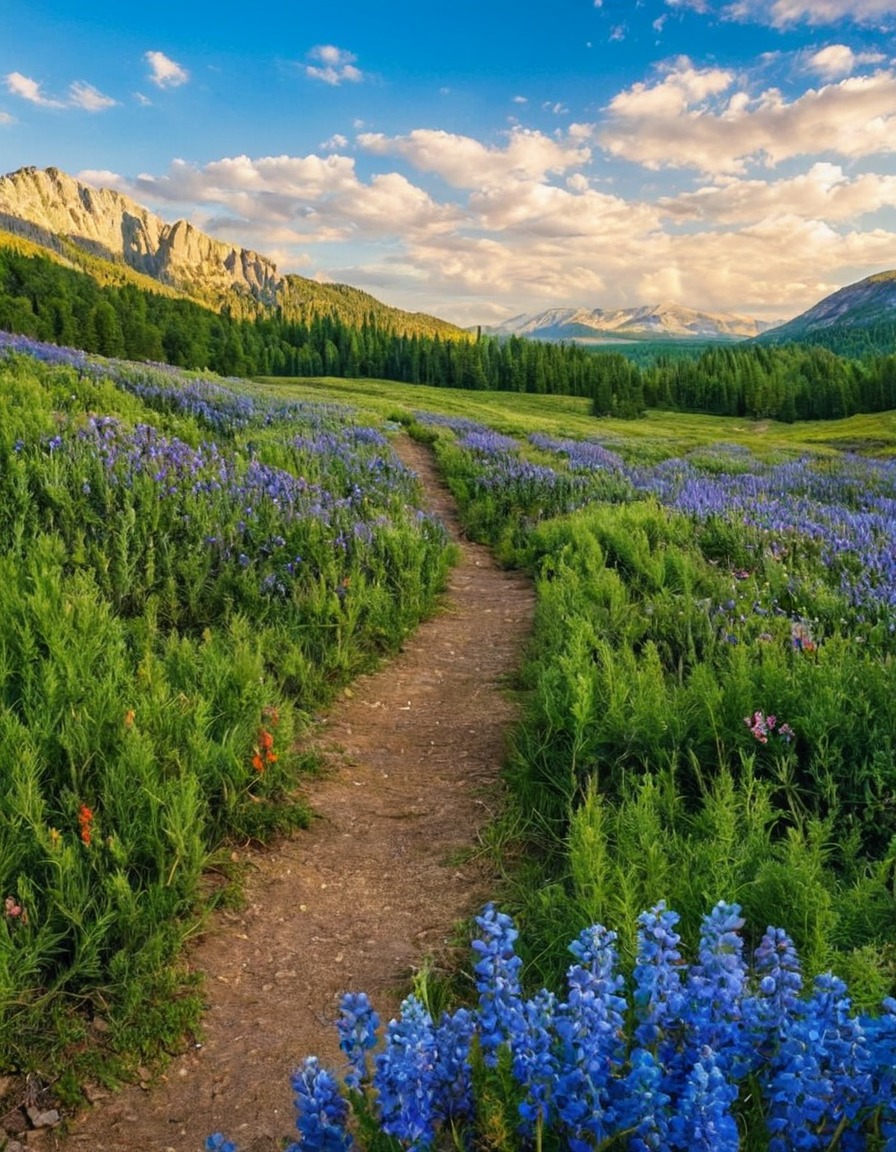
{"x": 661, "y": 322}
{"x": 858, "y": 311}
{"x": 116, "y": 240}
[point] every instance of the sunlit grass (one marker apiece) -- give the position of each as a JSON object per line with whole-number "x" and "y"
{"x": 519, "y": 414}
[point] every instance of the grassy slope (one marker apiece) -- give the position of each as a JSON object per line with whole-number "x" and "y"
{"x": 520, "y": 414}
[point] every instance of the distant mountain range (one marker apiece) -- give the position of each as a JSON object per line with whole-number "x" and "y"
{"x": 602, "y": 326}
{"x": 116, "y": 240}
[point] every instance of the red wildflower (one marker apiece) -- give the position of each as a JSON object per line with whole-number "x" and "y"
{"x": 85, "y": 821}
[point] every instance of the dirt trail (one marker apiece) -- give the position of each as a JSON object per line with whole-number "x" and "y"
{"x": 374, "y": 885}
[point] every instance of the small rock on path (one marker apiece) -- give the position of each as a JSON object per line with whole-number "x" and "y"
{"x": 377, "y": 882}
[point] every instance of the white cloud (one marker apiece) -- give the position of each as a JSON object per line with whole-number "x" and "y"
{"x": 575, "y": 212}
{"x": 521, "y": 100}
{"x": 824, "y": 192}
{"x": 30, "y": 90}
{"x": 165, "y": 72}
{"x": 785, "y": 13}
{"x": 697, "y": 119}
{"x": 103, "y": 178}
{"x": 143, "y": 101}
{"x": 336, "y": 141}
{"x": 529, "y": 221}
{"x": 292, "y": 199}
{"x": 5, "y": 118}
{"x": 466, "y": 163}
{"x": 557, "y": 108}
{"x": 85, "y": 96}
{"x": 617, "y": 33}
{"x": 838, "y": 60}
{"x": 80, "y": 94}
{"x": 333, "y": 65}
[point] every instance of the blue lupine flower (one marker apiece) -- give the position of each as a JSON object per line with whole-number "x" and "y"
{"x": 644, "y": 1104}
{"x": 826, "y": 1075}
{"x": 702, "y": 1121}
{"x": 715, "y": 988}
{"x": 590, "y": 1027}
{"x": 533, "y": 1061}
{"x": 357, "y": 1025}
{"x": 658, "y": 992}
{"x": 497, "y": 972}
{"x": 404, "y": 1076}
{"x": 452, "y": 1078}
{"x": 321, "y": 1111}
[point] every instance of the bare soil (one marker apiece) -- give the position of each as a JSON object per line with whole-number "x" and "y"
{"x": 376, "y": 884}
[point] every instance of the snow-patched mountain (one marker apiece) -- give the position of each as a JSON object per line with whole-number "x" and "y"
{"x": 657, "y": 322}
{"x": 869, "y": 301}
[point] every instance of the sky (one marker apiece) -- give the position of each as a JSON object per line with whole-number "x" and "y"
{"x": 481, "y": 159}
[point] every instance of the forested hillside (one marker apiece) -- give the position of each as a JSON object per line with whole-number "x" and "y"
{"x": 45, "y": 300}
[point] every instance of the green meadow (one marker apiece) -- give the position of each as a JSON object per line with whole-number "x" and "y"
{"x": 192, "y": 566}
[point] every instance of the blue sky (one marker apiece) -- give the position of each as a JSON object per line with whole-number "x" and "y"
{"x": 481, "y": 159}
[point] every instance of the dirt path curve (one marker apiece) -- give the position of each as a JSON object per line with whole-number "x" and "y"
{"x": 373, "y": 886}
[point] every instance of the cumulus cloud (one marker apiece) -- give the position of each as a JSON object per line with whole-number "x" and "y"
{"x": 297, "y": 199}
{"x": 824, "y": 192}
{"x": 336, "y": 141}
{"x": 528, "y": 220}
{"x": 698, "y": 119}
{"x": 785, "y": 13}
{"x": 333, "y": 65}
{"x": 165, "y": 72}
{"x": 80, "y": 94}
{"x": 838, "y": 60}
{"x": 466, "y": 163}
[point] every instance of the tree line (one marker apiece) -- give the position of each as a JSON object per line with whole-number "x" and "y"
{"x": 48, "y": 301}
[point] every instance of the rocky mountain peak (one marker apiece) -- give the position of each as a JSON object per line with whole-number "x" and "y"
{"x": 54, "y": 209}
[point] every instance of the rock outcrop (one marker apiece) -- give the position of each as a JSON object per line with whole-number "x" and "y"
{"x": 54, "y": 210}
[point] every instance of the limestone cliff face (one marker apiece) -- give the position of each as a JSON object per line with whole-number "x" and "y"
{"x": 49, "y": 207}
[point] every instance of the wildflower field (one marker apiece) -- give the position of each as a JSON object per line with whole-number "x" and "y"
{"x": 187, "y": 571}
{"x": 190, "y": 566}
{"x": 711, "y": 711}
{"x": 710, "y": 723}
{"x": 709, "y": 729}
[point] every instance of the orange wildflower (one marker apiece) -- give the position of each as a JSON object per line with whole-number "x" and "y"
{"x": 85, "y": 821}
